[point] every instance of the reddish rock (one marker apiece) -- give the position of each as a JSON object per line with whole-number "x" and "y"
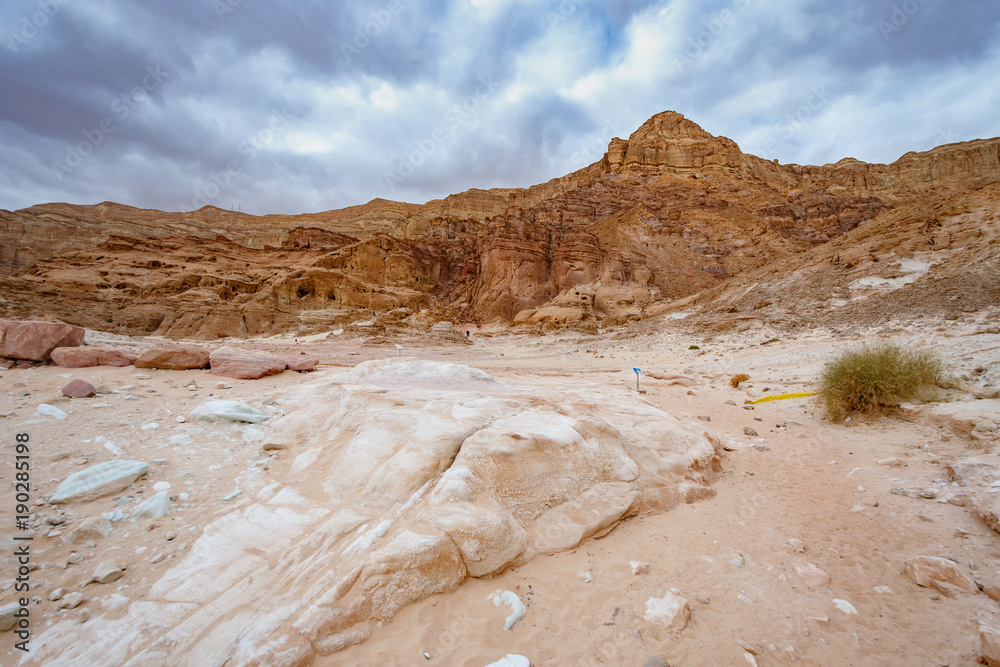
{"x": 35, "y": 341}
{"x": 85, "y": 357}
{"x": 244, "y": 365}
{"x": 301, "y": 364}
{"x": 174, "y": 358}
{"x": 79, "y": 389}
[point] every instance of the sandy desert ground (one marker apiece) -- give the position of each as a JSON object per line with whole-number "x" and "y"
{"x": 803, "y": 515}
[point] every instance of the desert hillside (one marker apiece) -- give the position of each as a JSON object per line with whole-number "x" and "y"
{"x": 669, "y": 214}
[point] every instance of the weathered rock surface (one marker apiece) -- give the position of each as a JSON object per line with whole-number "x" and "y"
{"x": 35, "y": 341}
{"x": 86, "y": 357}
{"x": 79, "y": 389}
{"x": 666, "y": 214}
{"x": 103, "y": 479}
{"x": 244, "y": 364}
{"x": 174, "y": 358}
{"x": 420, "y": 474}
{"x": 939, "y": 573}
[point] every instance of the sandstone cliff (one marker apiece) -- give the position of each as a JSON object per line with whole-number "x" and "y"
{"x": 671, "y": 212}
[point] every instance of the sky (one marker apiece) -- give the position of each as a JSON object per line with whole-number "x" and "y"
{"x": 279, "y": 107}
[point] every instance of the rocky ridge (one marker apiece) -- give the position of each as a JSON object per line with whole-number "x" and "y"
{"x": 671, "y": 212}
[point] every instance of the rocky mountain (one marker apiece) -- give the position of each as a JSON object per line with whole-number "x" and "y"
{"x": 671, "y": 219}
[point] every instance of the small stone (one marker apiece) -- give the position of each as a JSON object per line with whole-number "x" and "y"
{"x": 46, "y": 410}
{"x": 56, "y": 594}
{"x": 992, "y": 591}
{"x": 585, "y": 576}
{"x": 158, "y": 558}
{"x": 730, "y": 402}
{"x": 750, "y": 432}
{"x": 84, "y": 615}
{"x": 79, "y": 389}
{"x": 762, "y": 447}
{"x": 7, "y": 617}
{"x": 180, "y": 419}
{"x": 670, "y": 611}
{"x": 272, "y": 446}
{"x": 812, "y": 575}
{"x": 892, "y": 462}
{"x": 106, "y": 572}
{"x": 74, "y": 558}
{"x": 154, "y": 507}
{"x": 152, "y": 426}
{"x": 223, "y": 385}
{"x": 72, "y": 601}
{"x": 986, "y": 392}
{"x": 705, "y": 418}
{"x": 845, "y": 606}
{"x": 169, "y": 536}
{"x": 639, "y": 567}
{"x": 91, "y": 528}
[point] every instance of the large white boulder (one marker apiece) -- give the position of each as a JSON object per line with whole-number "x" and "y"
{"x": 403, "y": 478}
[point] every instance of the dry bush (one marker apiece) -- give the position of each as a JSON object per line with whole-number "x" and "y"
{"x": 872, "y": 377}
{"x": 734, "y": 381}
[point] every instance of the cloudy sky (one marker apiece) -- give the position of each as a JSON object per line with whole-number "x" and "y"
{"x": 278, "y": 107}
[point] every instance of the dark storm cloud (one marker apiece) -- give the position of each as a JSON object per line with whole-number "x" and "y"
{"x": 274, "y": 107}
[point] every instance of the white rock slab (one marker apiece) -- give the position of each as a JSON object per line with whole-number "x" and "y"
{"x": 220, "y": 411}
{"x": 98, "y": 481}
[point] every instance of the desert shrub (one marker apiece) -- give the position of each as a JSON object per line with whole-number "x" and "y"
{"x": 734, "y": 381}
{"x": 869, "y": 378}
{"x": 694, "y": 347}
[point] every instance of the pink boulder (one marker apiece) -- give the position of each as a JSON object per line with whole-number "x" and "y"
{"x": 79, "y": 389}
{"x": 174, "y": 358}
{"x": 85, "y": 357}
{"x": 244, "y": 365}
{"x": 34, "y": 341}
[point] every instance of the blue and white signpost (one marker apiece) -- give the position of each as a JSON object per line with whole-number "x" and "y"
{"x": 637, "y": 371}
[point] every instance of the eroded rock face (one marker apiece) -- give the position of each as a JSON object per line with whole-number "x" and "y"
{"x": 406, "y": 477}
{"x": 669, "y": 212}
